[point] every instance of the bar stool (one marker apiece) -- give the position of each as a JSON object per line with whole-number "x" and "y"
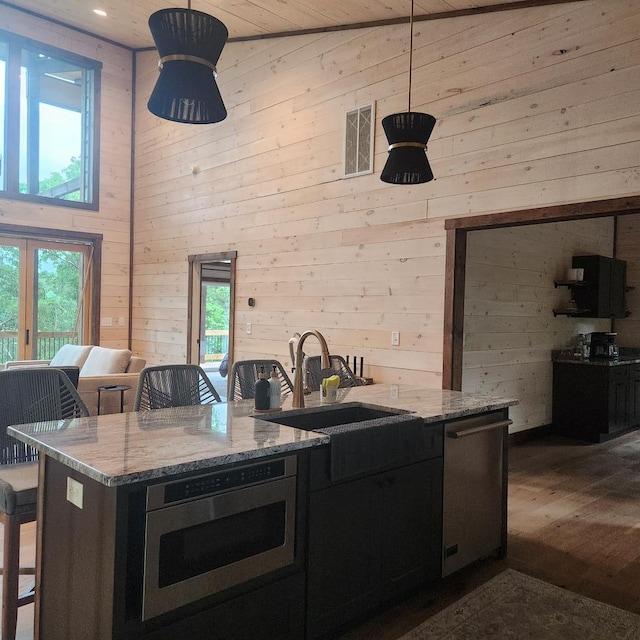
{"x": 27, "y": 395}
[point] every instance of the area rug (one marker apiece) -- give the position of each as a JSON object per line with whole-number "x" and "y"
{"x": 514, "y": 606}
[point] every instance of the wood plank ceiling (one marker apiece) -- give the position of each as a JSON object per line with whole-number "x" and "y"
{"x": 126, "y": 21}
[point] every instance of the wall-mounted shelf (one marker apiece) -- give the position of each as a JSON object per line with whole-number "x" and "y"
{"x": 570, "y": 283}
{"x": 574, "y": 313}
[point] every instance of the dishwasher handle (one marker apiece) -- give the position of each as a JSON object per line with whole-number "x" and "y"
{"x": 470, "y": 431}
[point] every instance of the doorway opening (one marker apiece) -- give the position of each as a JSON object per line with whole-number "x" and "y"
{"x": 455, "y": 286}
{"x": 211, "y": 306}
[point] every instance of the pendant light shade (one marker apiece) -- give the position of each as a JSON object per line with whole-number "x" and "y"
{"x": 189, "y": 44}
{"x": 407, "y": 134}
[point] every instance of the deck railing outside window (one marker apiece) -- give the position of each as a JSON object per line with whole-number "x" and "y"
{"x": 216, "y": 344}
{"x": 47, "y": 345}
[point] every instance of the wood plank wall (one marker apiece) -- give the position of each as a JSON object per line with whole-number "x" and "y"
{"x": 509, "y": 326}
{"x": 536, "y": 106}
{"x": 113, "y": 218}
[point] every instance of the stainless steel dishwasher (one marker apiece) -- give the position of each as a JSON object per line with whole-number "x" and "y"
{"x": 474, "y": 489}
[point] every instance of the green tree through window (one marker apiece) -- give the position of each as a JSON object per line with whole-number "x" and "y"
{"x": 67, "y": 176}
{"x": 9, "y": 279}
{"x": 42, "y": 304}
{"x": 59, "y": 290}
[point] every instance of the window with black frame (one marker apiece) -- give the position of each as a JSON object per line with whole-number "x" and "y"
{"x": 48, "y": 104}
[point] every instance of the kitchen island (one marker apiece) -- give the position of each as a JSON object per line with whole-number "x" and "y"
{"x": 113, "y": 563}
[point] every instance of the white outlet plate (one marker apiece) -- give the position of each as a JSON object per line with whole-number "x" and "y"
{"x": 121, "y": 322}
{"x": 395, "y": 338}
{"x": 248, "y": 328}
{"x": 75, "y": 492}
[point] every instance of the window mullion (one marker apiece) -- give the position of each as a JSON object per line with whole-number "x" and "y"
{"x": 33, "y": 125}
{"x": 13, "y": 116}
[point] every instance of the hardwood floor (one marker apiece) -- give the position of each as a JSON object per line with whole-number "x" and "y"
{"x": 574, "y": 520}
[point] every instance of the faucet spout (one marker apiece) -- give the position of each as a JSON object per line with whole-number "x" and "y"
{"x": 298, "y": 385}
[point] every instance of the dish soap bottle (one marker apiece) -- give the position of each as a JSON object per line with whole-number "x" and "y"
{"x": 275, "y": 392}
{"x": 262, "y": 392}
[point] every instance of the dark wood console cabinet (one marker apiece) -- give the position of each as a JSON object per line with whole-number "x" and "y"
{"x": 595, "y": 402}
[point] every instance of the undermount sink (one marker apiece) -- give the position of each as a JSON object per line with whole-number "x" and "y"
{"x": 329, "y": 416}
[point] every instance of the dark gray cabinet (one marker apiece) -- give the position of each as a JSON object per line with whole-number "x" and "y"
{"x": 371, "y": 539}
{"x": 595, "y": 402}
{"x": 633, "y": 395}
{"x": 603, "y": 291}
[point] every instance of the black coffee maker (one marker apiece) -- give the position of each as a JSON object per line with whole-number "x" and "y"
{"x": 603, "y": 345}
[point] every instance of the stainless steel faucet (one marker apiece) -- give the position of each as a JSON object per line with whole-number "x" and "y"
{"x": 298, "y": 385}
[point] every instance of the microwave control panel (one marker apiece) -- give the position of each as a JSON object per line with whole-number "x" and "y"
{"x": 169, "y": 493}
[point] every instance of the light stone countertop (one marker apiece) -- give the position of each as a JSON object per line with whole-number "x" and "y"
{"x": 119, "y": 449}
{"x": 599, "y": 362}
{"x": 628, "y": 355}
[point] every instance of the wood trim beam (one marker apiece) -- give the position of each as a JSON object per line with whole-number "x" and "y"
{"x": 456, "y": 262}
{"x": 456, "y": 13}
{"x": 556, "y": 213}
{"x": 213, "y": 257}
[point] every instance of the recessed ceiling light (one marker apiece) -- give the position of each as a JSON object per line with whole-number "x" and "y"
{"x": 100, "y": 12}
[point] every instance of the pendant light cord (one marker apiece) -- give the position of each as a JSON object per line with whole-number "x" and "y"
{"x": 410, "y": 53}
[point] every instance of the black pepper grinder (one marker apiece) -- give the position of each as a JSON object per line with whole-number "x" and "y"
{"x": 262, "y": 392}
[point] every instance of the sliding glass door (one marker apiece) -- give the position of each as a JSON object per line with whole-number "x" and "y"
{"x": 44, "y": 297}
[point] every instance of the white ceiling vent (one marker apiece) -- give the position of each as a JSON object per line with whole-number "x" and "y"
{"x": 358, "y": 140}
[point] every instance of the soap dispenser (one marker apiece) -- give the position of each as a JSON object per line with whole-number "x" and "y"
{"x": 262, "y": 392}
{"x": 275, "y": 391}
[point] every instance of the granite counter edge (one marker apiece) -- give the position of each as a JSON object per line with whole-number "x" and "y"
{"x": 168, "y": 470}
{"x": 475, "y": 405}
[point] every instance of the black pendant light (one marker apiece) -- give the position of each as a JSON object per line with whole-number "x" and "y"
{"x": 189, "y": 44}
{"x": 407, "y": 134}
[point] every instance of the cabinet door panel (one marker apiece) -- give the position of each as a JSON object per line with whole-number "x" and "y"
{"x": 618, "y": 399}
{"x": 344, "y": 554}
{"x": 618, "y": 282}
{"x": 244, "y": 617}
{"x": 411, "y": 526}
{"x": 634, "y": 395}
{"x": 581, "y": 400}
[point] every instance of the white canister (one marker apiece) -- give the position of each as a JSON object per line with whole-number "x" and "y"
{"x": 575, "y": 275}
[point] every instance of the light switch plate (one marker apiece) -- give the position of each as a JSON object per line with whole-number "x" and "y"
{"x": 75, "y": 492}
{"x": 395, "y": 338}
